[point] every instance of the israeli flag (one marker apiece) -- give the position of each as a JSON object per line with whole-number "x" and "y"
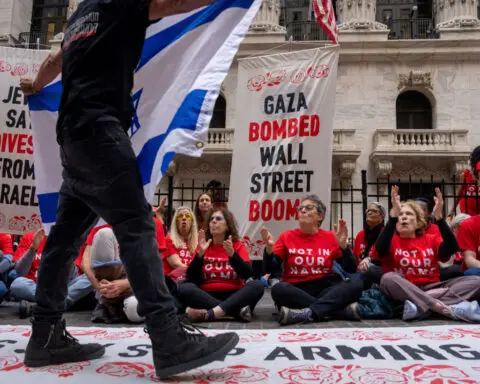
{"x": 184, "y": 62}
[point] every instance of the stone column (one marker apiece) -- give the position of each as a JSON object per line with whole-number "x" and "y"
{"x": 357, "y": 21}
{"x": 265, "y": 26}
{"x": 455, "y": 18}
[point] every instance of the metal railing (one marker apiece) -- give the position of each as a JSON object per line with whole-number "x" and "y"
{"x": 411, "y": 29}
{"x": 305, "y": 31}
{"x": 34, "y": 40}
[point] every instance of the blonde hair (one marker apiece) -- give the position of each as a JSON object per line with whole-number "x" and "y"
{"x": 421, "y": 222}
{"x": 177, "y": 240}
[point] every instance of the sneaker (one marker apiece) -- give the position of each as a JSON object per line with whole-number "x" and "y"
{"x": 273, "y": 282}
{"x": 410, "y": 311}
{"x": 245, "y": 314}
{"x": 196, "y": 315}
{"x": 182, "y": 347}
{"x": 351, "y": 312}
{"x": 25, "y": 309}
{"x": 468, "y": 311}
{"x": 292, "y": 316}
{"x": 50, "y": 344}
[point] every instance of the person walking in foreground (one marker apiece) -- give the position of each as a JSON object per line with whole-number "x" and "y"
{"x": 101, "y": 179}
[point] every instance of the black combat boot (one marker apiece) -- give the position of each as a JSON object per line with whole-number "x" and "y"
{"x": 181, "y": 347}
{"x": 50, "y": 344}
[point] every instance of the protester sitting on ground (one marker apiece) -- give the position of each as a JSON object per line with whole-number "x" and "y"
{"x": 410, "y": 263}
{"x": 181, "y": 244}
{"x": 468, "y": 238}
{"x": 6, "y": 256}
{"x": 309, "y": 290}
{"x": 102, "y": 264}
{"x": 365, "y": 242}
{"x": 468, "y": 191}
{"x": 217, "y": 277}
{"x": 203, "y": 206}
{"x": 27, "y": 260}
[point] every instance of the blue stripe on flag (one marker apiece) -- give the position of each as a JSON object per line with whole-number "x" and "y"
{"x": 185, "y": 118}
{"x": 48, "y": 203}
{"x": 154, "y": 44}
{"x": 48, "y": 99}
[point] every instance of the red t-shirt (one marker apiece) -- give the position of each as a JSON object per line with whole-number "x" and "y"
{"x": 469, "y": 204}
{"x": 306, "y": 257}
{"x": 433, "y": 230}
{"x": 183, "y": 253}
{"x": 218, "y": 274}
{"x": 359, "y": 245}
{"x": 416, "y": 259}
{"x": 468, "y": 236}
{"x": 6, "y": 243}
{"x": 25, "y": 243}
{"x": 160, "y": 235}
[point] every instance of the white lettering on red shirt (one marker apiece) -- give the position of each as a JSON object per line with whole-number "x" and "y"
{"x": 218, "y": 274}
{"x": 183, "y": 252}
{"x": 306, "y": 257}
{"x": 416, "y": 259}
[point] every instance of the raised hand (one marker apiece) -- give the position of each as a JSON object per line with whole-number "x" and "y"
{"x": 438, "y": 208}
{"x": 395, "y": 199}
{"x": 27, "y": 86}
{"x": 203, "y": 244}
{"x": 267, "y": 239}
{"x": 228, "y": 246}
{"x": 37, "y": 239}
{"x": 341, "y": 233}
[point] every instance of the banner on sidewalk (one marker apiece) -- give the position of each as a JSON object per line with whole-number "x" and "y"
{"x": 19, "y": 211}
{"x": 283, "y": 139}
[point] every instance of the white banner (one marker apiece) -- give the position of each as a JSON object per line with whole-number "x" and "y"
{"x": 283, "y": 139}
{"x": 19, "y": 210}
{"x": 408, "y": 355}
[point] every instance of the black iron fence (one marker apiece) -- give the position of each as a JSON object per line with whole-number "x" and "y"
{"x": 411, "y": 29}
{"x": 33, "y": 40}
{"x": 347, "y": 201}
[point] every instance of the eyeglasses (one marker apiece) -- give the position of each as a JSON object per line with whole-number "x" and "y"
{"x": 308, "y": 207}
{"x": 184, "y": 216}
{"x": 216, "y": 218}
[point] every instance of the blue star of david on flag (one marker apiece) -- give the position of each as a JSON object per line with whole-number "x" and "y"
{"x": 135, "y": 125}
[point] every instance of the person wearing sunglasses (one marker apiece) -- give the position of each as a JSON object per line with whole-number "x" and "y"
{"x": 310, "y": 290}
{"x": 181, "y": 243}
{"x": 217, "y": 276}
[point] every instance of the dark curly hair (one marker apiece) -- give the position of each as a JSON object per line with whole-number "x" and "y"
{"x": 474, "y": 159}
{"x": 229, "y": 219}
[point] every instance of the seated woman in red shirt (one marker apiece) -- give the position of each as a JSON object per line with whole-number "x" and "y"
{"x": 216, "y": 276}
{"x": 203, "y": 206}
{"x": 410, "y": 262}
{"x": 310, "y": 290}
{"x": 181, "y": 243}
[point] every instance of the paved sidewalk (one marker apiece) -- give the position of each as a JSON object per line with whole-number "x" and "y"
{"x": 265, "y": 318}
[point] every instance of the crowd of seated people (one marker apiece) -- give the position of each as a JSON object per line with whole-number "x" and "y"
{"x": 409, "y": 263}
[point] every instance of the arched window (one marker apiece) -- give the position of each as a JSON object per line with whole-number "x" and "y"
{"x": 219, "y": 118}
{"x": 414, "y": 111}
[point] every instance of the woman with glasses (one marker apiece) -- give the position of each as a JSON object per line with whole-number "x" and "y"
{"x": 216, "y": 285}
{"x": 310, "y": 290}
{"x": 181, "y": 243}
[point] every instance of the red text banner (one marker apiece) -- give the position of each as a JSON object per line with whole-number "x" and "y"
{"x": 283, "y": 139}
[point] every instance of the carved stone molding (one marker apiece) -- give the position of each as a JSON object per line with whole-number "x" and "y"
{"x": 360, "y": 25}
{"x": 264, "y": 27}
{"x": 459, "y": 166}
{"x": 346, "y": 171}
{"x": 383, "y": 168}
{"x": 459, "y": 22}
{"x": 415, "y": 79}
{"x": 192, "y": 167}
